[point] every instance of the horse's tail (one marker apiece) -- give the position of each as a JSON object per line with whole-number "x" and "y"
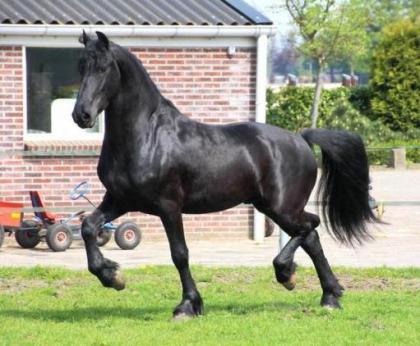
{"x": 344, "y": 185}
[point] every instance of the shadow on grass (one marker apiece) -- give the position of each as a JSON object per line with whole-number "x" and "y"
{"x": 142, "y": 313}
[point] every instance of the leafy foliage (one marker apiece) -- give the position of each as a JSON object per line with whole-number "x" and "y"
{"x": 330, "y": 31}
{"x": 341, "y": 108}
{"x": 396, "y": 76}
{"x": 290, "y": 107}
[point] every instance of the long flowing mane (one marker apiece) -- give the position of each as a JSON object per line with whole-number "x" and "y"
{"x": 129, "y": 63}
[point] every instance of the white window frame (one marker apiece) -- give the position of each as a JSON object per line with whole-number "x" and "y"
{"x": 52, "y": 136}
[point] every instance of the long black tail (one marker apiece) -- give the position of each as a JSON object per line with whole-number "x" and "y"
{"x": 344, "y": 185}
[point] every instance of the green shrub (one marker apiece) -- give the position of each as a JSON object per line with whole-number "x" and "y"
{"x": 380, "y": 153}
{"x": 289, "y": 108}
{"x": 396, "y": 76}
{"x": 345, "y": 117}
{"x": 360, "y": 98}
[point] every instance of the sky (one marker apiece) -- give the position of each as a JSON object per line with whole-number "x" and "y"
{"x": 274, "y": 11}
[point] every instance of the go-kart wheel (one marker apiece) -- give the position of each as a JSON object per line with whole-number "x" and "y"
{"x": 127, "y": 235}
{"x": 1, "y": 235}
{"x": 59, "y": 237}
{"x": 28, "y": 236}
{"x": 104, "y": 235}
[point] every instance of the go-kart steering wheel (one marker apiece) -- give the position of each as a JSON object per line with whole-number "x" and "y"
{"x": 80, "y": 190}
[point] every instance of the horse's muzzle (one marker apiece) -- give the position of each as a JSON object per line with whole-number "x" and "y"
{"x": 83, "y": 119}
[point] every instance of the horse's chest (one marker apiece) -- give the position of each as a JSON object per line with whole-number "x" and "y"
{"x": 126, "y": 181}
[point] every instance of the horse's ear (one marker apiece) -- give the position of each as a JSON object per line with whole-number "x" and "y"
{"x": 84, "y": 38}
{"x": 103, "y": 39}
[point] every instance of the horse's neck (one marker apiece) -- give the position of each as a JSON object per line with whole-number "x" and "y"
{"x": 136, "y": 85}
{"x": 137, "y": 99}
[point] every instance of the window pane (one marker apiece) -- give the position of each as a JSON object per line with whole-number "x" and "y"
{"x": 51, "y": 75}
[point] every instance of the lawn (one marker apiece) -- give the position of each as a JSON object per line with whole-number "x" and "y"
{"x": 243, "y": 306}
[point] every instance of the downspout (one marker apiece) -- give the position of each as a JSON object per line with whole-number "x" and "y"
{"x": 260, "y": 117}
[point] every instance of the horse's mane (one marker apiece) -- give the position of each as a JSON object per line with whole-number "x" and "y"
{"x": 129, "y": 63}
{"x": 132, "y": 65}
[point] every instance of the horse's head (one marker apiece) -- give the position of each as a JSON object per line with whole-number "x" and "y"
{"x": 100, "y": 79}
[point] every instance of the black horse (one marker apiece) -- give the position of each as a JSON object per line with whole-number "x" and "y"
{"x": 158, "y": 161}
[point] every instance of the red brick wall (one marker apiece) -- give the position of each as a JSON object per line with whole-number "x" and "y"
{"x": 203, "y": 83}
{"x": 11, "y": 98}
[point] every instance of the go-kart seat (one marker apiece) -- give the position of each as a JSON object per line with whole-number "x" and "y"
{"x": 44, "y": 215}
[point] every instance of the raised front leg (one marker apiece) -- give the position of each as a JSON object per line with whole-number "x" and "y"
{"x": 191, "y": 303}
{"x": 106, "y": 270}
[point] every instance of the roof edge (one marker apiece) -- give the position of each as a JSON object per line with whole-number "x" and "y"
{"x": 137, "y": 31}
{"x": 249, "y": 12}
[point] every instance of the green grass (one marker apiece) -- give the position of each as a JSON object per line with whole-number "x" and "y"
{"x": 243, "y": 306}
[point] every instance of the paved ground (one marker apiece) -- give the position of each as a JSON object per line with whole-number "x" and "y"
{"x": 396, "y": 244}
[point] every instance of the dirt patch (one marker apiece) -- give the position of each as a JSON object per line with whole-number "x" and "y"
{"x": 13, "y": 286}
{"x": 366, "y": 284}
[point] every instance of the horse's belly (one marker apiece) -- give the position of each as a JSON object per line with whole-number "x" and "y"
{"x": 205, "y": 206}
{"x": 217, "y": 196}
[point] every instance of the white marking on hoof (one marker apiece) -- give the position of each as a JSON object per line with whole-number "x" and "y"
{"x": 119, "y": 281}
{"x": 291, "y": 284}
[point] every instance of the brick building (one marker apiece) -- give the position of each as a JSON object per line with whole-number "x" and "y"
{"x": 207, "y": 56}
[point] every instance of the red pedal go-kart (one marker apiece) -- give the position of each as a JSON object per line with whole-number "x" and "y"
{"x": 59, "y": 234}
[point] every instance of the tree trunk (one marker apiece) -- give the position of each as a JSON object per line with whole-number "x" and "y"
{"x": 317, "y": 97}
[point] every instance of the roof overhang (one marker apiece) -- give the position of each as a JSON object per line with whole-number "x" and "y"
{"x": 138, "y": 30}
{"x": 132, "y": 35}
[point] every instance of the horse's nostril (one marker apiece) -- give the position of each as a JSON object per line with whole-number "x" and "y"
{"x": 85, "y": 116}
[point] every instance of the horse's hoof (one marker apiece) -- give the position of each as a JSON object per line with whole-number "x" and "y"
{"x": 189, "y": 309}
{"x": 118, "y": 281}
{"x": 182, "y": 316}
{"x": 291, "y": 283}
{"x": 330, "y": 302}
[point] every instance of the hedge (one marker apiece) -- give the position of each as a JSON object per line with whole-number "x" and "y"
{"x": 395, "y": 78}
{"x": 340, "y": 108}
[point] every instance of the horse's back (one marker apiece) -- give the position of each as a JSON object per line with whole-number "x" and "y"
{"x": 243, "y": 162}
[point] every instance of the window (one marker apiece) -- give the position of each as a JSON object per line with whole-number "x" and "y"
{"x": 52, "y": 85}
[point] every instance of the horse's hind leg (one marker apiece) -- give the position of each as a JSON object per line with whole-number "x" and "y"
{"x": 105, "y": 269}
{"x": 303, "y": 233}
{"x": 284, "y": 267}
{"x": 191, "y": 303}
{"x": 297, "y": 227}
{"x": 331, "y": 289}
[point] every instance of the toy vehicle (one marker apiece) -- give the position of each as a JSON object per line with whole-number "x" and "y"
{"x": 10, "y": 218}
{"x": 127, "y": 235}
{"x": 29, "y": 233}
{"x": 59, "y": 234}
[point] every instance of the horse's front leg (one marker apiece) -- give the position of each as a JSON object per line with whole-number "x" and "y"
{"x": 106, "y": 270}
{"x": 191, "y": 303}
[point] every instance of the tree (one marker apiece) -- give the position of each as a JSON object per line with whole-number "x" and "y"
{"x": 396, "y": 75}
{"x": 380, "y": 13}
{"x": 285, "y": 58}
{"x": 329, "y": 31}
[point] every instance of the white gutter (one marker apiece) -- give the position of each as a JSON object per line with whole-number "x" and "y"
{"x": 260, "y": 117}
{"x": 137, "y": 30}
